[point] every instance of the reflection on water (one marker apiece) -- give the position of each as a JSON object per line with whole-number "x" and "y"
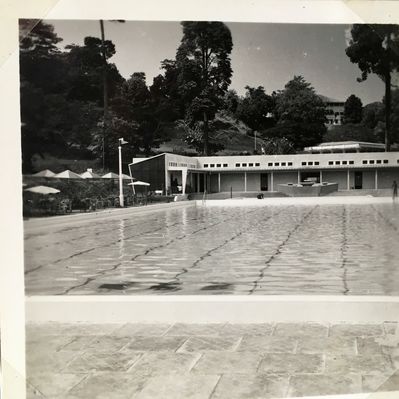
{"x": 326, "y": 249}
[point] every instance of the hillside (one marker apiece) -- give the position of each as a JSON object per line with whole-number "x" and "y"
{"x": 231, "y": 133}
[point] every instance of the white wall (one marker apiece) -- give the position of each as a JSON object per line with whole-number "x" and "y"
{"x": 339, "y": 177}
{"x": 234, "y": 180}
{"x": 253, "y": 181}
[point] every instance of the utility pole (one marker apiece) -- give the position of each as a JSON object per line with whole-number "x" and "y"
{"x": 121, "y": 198}
{"x": 105, "y": 89}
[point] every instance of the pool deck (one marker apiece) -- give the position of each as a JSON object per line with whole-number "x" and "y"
{"x": 211, "y": 361}
{"x": 338, "y": 200}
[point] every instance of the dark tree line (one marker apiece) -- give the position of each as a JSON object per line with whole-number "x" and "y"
{"x": 63, "y": 101}
{"x": 75, "y": 103}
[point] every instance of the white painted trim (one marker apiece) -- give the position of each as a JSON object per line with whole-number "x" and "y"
{"x": 368, "y": 395}
{"x": 284, "y": 201}
{"x": 43, "y": 223}
{"x": 212, "y": 309}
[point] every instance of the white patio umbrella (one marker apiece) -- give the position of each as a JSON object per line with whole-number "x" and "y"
{"x": 89, "y": 175}
{"x": 44, "y": 173}
{"x": 67, "y": 174}
{"x": 139, "y": 183}
{"x": 110, "y": 175}
{"x": 42, "y": 190}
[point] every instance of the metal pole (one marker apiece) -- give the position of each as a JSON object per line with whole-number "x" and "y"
{"x": 255, "y": 140}
{"x": 121, "y": 201}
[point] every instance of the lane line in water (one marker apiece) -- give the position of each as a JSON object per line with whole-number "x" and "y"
{"x": 103, "y": 246}
{"x": 209, "y": 253}
{"x": 344, "y": 249}
{"x": 114, "y": 267}
{"x": 278, "y": 250}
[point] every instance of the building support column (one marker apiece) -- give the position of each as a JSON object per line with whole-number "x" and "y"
{"x": 376, "y": 179}
{"x": 321, "y": 177}
{"x": 184, "y": 180}
{"x": 219, "y": 182}
{"x": 271, "y": 181}
{"x": 245, "y": 181}
{"x": 348, "y": 178}
{"x": 198, "y": 182}
{"x": 299, "y": 177}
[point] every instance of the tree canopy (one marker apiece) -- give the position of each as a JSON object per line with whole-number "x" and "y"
{"x": 375, "y": 49}
{"x": 256, "y": 108}
{"x": 300, "y": 114}
{"x": 353, "y": 109}
{"x": 203, "y": 71}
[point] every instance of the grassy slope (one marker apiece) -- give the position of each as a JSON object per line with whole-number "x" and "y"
{"x": 231, "y": 133}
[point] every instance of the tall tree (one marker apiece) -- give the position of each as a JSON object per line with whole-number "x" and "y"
{"x": 203, "y": 62}
{"x": 255, "y": 108}
{"x": 141, "y": 107}
{"x": 375, "y": 48}
{"x": 353, "y": 109}
{"x": 300, "y": 114}
{"x": 40, "y": 67}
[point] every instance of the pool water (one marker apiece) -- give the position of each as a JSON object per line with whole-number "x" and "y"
{"x": 348, "y": 249}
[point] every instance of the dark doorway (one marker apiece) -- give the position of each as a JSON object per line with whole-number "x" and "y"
{"x": 263, "y": 181}
{"x": 358, "y": 180}
{"x": 202, "y": 185}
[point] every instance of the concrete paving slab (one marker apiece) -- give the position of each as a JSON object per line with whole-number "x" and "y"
{"x": 107, "y": 385}
{"x": 356, "y": 330}
{"x": 165, "y": 363}
{"x": 184, "y": 387}
{"x": 210, "y": 343}
{"x": 366, "y": 364}
{"x": 243, "y": 386}
{"x": 330, "y": 345}
{"x": 266, "y": 344}
{"x": 154, "y": 343}
{"x": 89, "y": 362}
{"x": 309, "y": 385}
{"x": 227, "y": 362}
{"x": 301, "y": 329}
{"x": 286, "y": 363}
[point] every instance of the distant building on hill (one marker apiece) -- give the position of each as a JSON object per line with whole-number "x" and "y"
{"x": 335, "y": 111}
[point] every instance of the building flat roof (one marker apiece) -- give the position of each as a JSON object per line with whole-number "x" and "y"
{"x": 345, "y": 145}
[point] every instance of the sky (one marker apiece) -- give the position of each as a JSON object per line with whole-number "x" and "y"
{"x": 267, "y": 54}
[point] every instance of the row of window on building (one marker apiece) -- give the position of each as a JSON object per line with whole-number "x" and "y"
{"x": 375, "y": 161}
{"x": 184, "y": 165}
{"x": 304, "y": 163}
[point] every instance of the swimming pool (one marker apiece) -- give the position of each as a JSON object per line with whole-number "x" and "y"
{"x": 332, "y": 249}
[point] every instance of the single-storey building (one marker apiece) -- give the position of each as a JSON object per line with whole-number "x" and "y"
{"x": 174, "y": 173}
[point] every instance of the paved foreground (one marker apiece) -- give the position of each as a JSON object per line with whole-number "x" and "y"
{"x": 209, "y": 361}
{"x": 332, "y": 249}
